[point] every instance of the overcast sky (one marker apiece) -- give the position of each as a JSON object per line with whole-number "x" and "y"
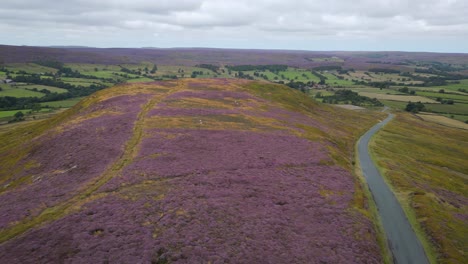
{"x": 407, "y": 25}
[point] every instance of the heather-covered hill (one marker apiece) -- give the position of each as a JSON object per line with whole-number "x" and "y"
{"x": 186, "y": 172}
{"x": 194, "y": 56}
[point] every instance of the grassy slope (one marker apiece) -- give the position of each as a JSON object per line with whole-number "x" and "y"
{"x": 425, "y": 163}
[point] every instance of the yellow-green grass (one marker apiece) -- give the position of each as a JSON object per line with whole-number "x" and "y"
{"x": 425, "y": 164}
{"x": 443, "y": 120}
{"x": 401, "y": 98}
{"x": 18, "y": 91}
{"x": 462, "y": 118}
{"x": 29, "y": 68}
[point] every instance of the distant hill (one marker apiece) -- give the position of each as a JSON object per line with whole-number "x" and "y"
{"x": 187, "y": 171}
{"x": 194, "y": 56}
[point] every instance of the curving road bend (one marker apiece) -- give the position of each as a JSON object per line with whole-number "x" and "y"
{"x": 403, "y": 242}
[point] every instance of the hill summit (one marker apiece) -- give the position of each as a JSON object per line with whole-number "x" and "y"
{"x": 187, "y": 171}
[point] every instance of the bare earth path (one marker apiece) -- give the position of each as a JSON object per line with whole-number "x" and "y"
{"x": 404, "y": 244}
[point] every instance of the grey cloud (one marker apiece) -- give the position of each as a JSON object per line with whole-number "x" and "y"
{"x": 250, "y": 20}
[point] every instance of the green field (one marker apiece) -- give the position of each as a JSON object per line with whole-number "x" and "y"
{"x": 40, "y": 87}
{"x": 460, "y": 109}
{"x": 62, "y": 104}
{"x": 10, "y": 113}
{"x": 8, "y": 90}
{"x": 394, "y": 104}
{"x": 454, "y": 87}
{"x": 333, "y": 80}
{"x": 455, "y": 97}
{"x": 376, "y": 90}
{"x": 29, "y": 68}
{"x": 463, "y": 118}
{"x": 142, "y": 79}
{"x": 91, "y": 67}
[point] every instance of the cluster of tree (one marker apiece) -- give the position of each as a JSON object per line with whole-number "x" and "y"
{"x": 196, "y": 73}
{"x": 19, "y": 116}
{"x": 16, "y": 103}
{"x": 73, "y": 89}
{"x": 384, "y": 70}
{"x": 62, "y": 70}
{"x": 169, "y": 76}
{"x": 51, "y": 63}
{"x": 414, "y": 107}
{"x": 328, "y": 68}
{"x": 443, "y": 101}
{"x": 321, "y": 77}
{"x": 242, "y": 75}
{"x": 273, "y": 68}
{"x": 350, "y": 97}
{"x": 301, "y": 86}
{"x": 126, "y": 70}
{"x": 407, "y": 91}
{"x": 154, "y": 69}
{"x": 209, "y": 67}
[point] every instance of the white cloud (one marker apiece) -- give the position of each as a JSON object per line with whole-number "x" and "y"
{"x": 251, "y": 22}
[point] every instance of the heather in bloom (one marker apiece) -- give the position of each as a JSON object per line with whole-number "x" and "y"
{"x": 203, "y": 171}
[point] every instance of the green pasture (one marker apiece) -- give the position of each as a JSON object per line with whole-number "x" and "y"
{"x": 82, "y": 67}
{"x": 18, "y": 91}
{"x": 40, "y": 87}
{"x": 11, "y": 113}
{"x": 394, "y": 104}
{"x": 455, "y": 97}
{"x": 62, "y": 104}
{"x": 142, "y": 79}
{"x": 29, "y": 68}
{"x": 375, "y": 90}
{"x": 456, "y": 109}
{"x": 333, "y": 80}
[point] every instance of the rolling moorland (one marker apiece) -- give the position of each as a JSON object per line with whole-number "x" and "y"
{"x": 188, "y": 170}
{"x": 49, "y": 78}
{"x": 421, "y": 152}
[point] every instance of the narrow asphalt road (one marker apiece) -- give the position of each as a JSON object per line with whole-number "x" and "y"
{"x": 404, "y": 244}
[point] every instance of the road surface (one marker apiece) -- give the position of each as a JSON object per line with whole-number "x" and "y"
{"x": 404, "y": 244}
